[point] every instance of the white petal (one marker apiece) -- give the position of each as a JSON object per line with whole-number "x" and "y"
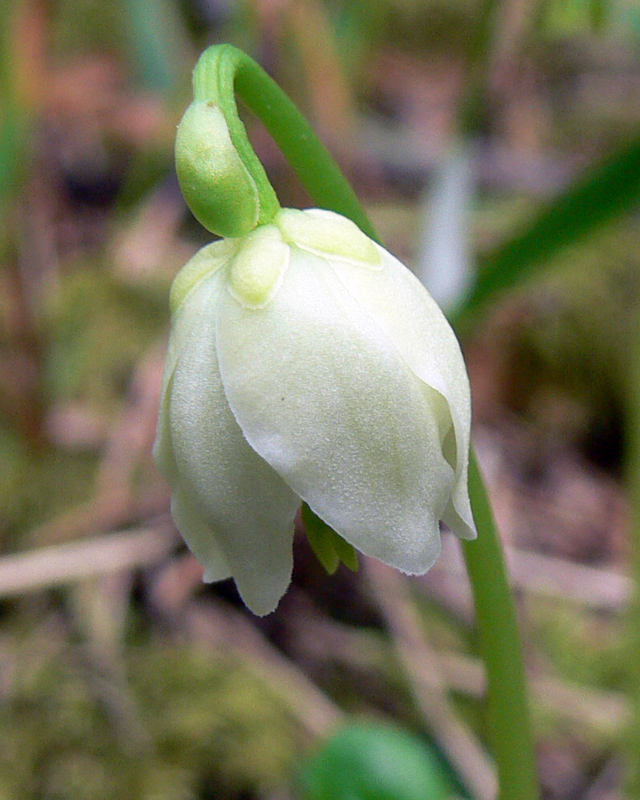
{"x": 323, "y": 395}
{"x": 208, "y": 260}
{"x": 247, "y": 505}
{"x": 188, "y": 316}
{"x": 429, "y": 346}
{"x": 189, "y": 521}
{"x": 202, "y": 538}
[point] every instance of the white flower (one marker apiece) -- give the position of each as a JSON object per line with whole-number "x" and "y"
{"x": 307, "y": 363}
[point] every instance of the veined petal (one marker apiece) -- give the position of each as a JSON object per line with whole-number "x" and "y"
{"x": 429, "y": 346}
{"x": 208, "y": 260}
{"x": 248, "y": 507}
{"x": 194, "y": 308}
{"x": 322, "y": 394}
{"x": 328, "y": 234}
{"x": 202, "y": 538}
{"x": 184, "y": 508}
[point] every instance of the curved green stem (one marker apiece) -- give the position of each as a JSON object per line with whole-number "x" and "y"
{"x": 507, "y": 706}
{"x": 224, "y": 70}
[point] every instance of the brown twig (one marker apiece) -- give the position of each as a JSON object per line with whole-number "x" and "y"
{"x": 548, "y": 576}
{"x": 61, "y": 564}
{"x": 322, "y": 640}
{"x": 230, "y": 629}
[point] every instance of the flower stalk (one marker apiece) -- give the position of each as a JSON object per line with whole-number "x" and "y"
{"x": 507, "y": 708}
{"x": 224, "y": 71}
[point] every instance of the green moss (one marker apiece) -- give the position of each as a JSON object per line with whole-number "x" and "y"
{"x": 585, "y": 647}
{"x": 209, "y": 721}
{"x": 99, "y": 330}
{"x": 38, "y": 485}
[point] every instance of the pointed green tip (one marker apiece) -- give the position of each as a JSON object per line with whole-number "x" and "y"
{"x": 330, "y": 548}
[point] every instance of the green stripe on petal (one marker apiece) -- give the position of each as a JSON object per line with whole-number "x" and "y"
{"x": 259, "y": 267}
{"x": 327, "y": 233}
{"x": 202, "y": 265}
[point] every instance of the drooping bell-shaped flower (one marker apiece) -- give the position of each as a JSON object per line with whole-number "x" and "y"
{"x": 306, "y": 363}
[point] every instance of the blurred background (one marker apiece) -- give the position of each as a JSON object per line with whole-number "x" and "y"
{"x": 496, "y": 146}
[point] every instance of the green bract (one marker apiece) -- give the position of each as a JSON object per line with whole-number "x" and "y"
{"x": 307, "y": 363}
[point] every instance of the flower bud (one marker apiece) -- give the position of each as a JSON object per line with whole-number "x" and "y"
{"x": 306, "y": 363}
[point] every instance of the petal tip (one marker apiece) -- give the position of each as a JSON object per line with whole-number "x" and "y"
{"x": 259, "y": 602}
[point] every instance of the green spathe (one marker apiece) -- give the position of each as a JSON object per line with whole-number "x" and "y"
{"x": 307, "y": 363}
{"x": 215, "y": 182}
